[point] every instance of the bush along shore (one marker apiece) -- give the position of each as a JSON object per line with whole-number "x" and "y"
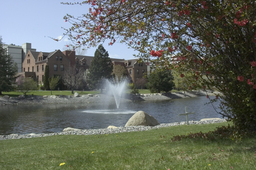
{"x": 94, "y": 98}
{"x": 72, "y": 131}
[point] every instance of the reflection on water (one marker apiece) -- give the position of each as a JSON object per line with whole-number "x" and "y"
{"x": 54, "y": 118}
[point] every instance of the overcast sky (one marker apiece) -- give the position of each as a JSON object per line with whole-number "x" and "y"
{"x": 34, "y": 21}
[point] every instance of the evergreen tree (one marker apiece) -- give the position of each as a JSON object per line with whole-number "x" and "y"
{"x": 101, "y": 67}
{"x": 7, "y": 70}
{"x": 46, "y": 78}
{"x": 160, "y": 80}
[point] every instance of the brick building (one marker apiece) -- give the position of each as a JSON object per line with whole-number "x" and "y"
{"x": 35, "y": 62}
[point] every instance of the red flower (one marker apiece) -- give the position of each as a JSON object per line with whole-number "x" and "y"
{"x": 254, "y": 86}
{"x": 163, "y": 35}
{"x": 188, "y": 24}
{"x": 174, "y": 35}
{"x": 217, "y": 36}
{"x": 181, "y": 75}
{"x": 240, "y": 78}
{"x": 249, "y": 82}
{"x": 207, "y": 96}
{"x": 152, "y": 53}
{"x": 180, "y": 13}
{"x": 167, "y": 3}
{"x": 241, "y": 23}
{"x": 170, "y": 49}
{"x": 186, "y": 12}
{"x": 253, "y": 63}
{"x": 189, "y": 47}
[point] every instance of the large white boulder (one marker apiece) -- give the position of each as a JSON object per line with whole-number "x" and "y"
{"x": 141, "y": 118}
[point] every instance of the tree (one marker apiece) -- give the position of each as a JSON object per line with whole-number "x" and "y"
{"x": 25, "y": 84}
{"x": 46, "y": 78}
{"x": 160, "y": 80}
{"x": 53, "y": 82}
{"x": 73, "y": 77}
{"x": 7, "y": 70}
{"x": 119, "y": 72}
{"x": 215, "y": 40}
{"x": 101, "y": 68}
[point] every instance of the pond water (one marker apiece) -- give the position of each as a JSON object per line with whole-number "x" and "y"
{"x": 54, "y": 118}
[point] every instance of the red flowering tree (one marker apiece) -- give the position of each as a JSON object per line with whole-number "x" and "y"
{"x": 214, "y": 40}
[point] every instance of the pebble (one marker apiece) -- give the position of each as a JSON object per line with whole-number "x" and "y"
{"x": 106, "y": 131}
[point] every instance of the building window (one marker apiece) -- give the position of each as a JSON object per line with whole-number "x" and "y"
{"x": 24, "y": 69}
{"x": 62, "y": 67}
{"x": 37, "y": 79}
{"x": 42, "y": 67}
{"x": 28, "y": 69}
{"x": 55, "y": 67}
{"x": 143, "y": 71}
{"x": 42, "y": 78}
{"x": 60, "y": 58}
{"x": 37, "y": 68}
{"x": 28, "y": 61}
{"x": 138, "y": 72}
{"x": 130, "y": 71}
{"x": 32, "y": 68}
{"x": 56, "y": 57}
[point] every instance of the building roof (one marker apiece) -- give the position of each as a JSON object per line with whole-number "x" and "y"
{"x": 35, "y": 54}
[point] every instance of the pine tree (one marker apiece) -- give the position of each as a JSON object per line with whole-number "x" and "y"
{"x": 7, "y": 70}
{"x": 46, "y": 78}
{"x": 101, "y": 67}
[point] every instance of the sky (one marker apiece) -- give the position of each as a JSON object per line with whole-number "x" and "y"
{"x": 34, "y": 21}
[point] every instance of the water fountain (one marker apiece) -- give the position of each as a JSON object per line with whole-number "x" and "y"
{"x": 116, "y": 88}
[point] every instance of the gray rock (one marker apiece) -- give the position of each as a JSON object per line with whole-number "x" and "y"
{"x": 141, "y": 118}
{"x": 111, "y": 127}
{"x": 52, "y": 96}
{"x": 70, "y": 129}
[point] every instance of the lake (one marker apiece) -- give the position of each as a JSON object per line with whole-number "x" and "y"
{"x": 54, "y": 118}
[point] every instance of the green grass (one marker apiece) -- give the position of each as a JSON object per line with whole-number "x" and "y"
{"x": 152, "y": 149}
{"x": 48, "y": 92}
{"x": 57, "y": 92}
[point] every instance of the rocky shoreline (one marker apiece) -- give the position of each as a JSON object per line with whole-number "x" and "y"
{"x": 107, "y": 130}
{"x": 90, "y": 99}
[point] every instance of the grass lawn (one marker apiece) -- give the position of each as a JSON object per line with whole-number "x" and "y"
{"x": 148, "y": 150}
{"x": 57, "y": 92}
{"x": 48, "y": 92}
